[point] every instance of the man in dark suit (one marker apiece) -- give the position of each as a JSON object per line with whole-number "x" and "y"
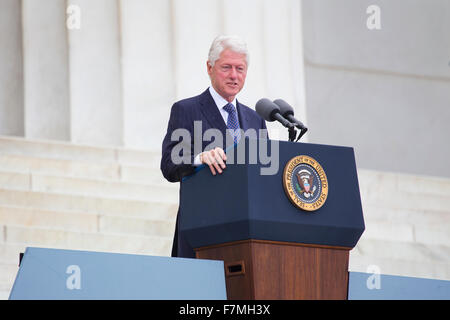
{"x": 216, "y": 108}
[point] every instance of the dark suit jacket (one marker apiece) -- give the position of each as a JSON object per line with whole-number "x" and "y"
{"x": 183, "y": 114}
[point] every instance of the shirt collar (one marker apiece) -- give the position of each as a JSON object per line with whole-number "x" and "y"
{"x": 219, "y": 100}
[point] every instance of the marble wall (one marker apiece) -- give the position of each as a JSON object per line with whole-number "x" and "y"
{"x": 107, "y": 72}
{"x": 386, "y": 91}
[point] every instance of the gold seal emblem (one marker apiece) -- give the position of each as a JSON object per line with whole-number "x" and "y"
{"x": 305, "y": 183}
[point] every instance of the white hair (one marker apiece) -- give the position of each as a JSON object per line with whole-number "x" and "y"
{"x": 222, "y": 42}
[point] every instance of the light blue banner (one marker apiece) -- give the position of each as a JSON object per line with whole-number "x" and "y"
{"x": 366, "y": 286}
{"x": 70, "y": 274}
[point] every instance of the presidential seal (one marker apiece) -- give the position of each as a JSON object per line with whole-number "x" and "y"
{"x": 305, "y": 183}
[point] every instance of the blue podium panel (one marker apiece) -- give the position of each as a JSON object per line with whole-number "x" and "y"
{"x": 69, "y": 274}
{"x": 241, "y": 203}
{"x": 366, "y": 286}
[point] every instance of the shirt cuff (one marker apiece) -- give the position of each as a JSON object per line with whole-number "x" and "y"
{"x": 197, "y": 161}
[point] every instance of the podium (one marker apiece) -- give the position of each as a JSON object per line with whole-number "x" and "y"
{"x": 271, "y": 248}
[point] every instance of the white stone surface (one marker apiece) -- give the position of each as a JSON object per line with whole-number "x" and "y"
{"x": 138, "y": 157}
{"x": 413, "y": 38}
{"x": 53, "y": 149}
{"x": 373, "y": 182}
{"x": 407, "y": 251}
{"x": 78, "y": 152}
{"x": 11, "y": 69}
{"x": 83, "y": 169}
{"x": 46, "y": 70}
{"x": 384, "y": 92}
{"x": 9, "y": 253}
{"x": 59, "y": 167}
{"x": 147, "y": 71}
{"x": 246, "y": 18}
{"x": 390, "y": 214}
{"x": 8, "y": 273}
{"x": 392, "y": 266}
{"x": 194, "y": 28}
{"x": 14, "y": 180}
{"x": 437, "y": 234}
{"x": 113, "y": 80}
{"x": 32, "y": 217}
{"x": 107, "y": 189}
{"x": 388, "y": 231}
{"x": 283, "y": 53}
{"x": 89, "y": 241}
{"x": 4, "y": 295}
{"x": 136, "y": 226}
{"x": 143, "y": 175}
{"x": 404, "y": 120}
{"x": 95, "y": 74}
{"x": 108, "y": 206}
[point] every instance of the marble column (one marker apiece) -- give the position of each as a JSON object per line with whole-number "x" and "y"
{"x": 95, "y": 74}
{"x": 46, "y": 87}
{"x": 147, "y": 71}
{"x": 11, "y": 69}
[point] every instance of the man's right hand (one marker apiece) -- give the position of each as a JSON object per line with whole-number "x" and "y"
{"x": 214, "y": 159}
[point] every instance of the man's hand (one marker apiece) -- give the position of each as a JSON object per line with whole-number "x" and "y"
{"x": 214, "y": 159}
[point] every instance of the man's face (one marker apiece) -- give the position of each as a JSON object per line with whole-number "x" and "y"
{"x": 228, "y": 74}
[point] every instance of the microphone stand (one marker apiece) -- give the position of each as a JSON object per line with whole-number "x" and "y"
{"x": 292, "y": 134}
{"x": 302, "y": 132}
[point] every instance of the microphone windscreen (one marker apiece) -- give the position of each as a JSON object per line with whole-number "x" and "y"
{"x": 285, "y": 108}
{"x": 265, "y": 108}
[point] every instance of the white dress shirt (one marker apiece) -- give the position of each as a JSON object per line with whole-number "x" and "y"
{"x": 220, "y": 103}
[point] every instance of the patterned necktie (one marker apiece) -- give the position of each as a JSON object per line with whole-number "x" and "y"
{"x": 233, "y": 122}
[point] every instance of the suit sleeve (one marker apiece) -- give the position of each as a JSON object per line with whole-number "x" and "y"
{"x": 182, "y": 147}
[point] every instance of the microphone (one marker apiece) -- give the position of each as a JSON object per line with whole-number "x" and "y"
{"x": 270, "y": 111}
{"x": 288, "y": 112}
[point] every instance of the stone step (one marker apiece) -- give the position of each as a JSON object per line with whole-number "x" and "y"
{"x": 400, "y": 216}
{"x": 82, "y": 186}
{"x": 437, "y": 233}
{"x": 137, "y": 226}
{"x": 15, "y": 180}
{"x": 157, "y": 210}
{"x": 390, "y": 266}
{"x": 103, "y": 242}
{"x": 9, "y": 252}
{"x": 406, "y": 200}
{"x": 109, "y": 189}
{"x": 60, "y": 167}
{"x": 82, "y": 169}
{"x": 65, "y": 150}
{"x": 66, "y": 220}
{"x": 8, "y": 274}
{"x": 4, "y": 295}
{"x": 145, "y": 175}
{"x": 379, "y": 182}
{"x": 405, "y": 251}
{"x": 85, "y": 222}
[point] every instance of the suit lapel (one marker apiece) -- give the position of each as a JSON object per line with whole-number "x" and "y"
{"x": 243, "y": 119}
{"x": 211, "y": 112}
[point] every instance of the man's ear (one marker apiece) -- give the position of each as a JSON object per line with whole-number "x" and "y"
{"x": 208, "y": 67}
